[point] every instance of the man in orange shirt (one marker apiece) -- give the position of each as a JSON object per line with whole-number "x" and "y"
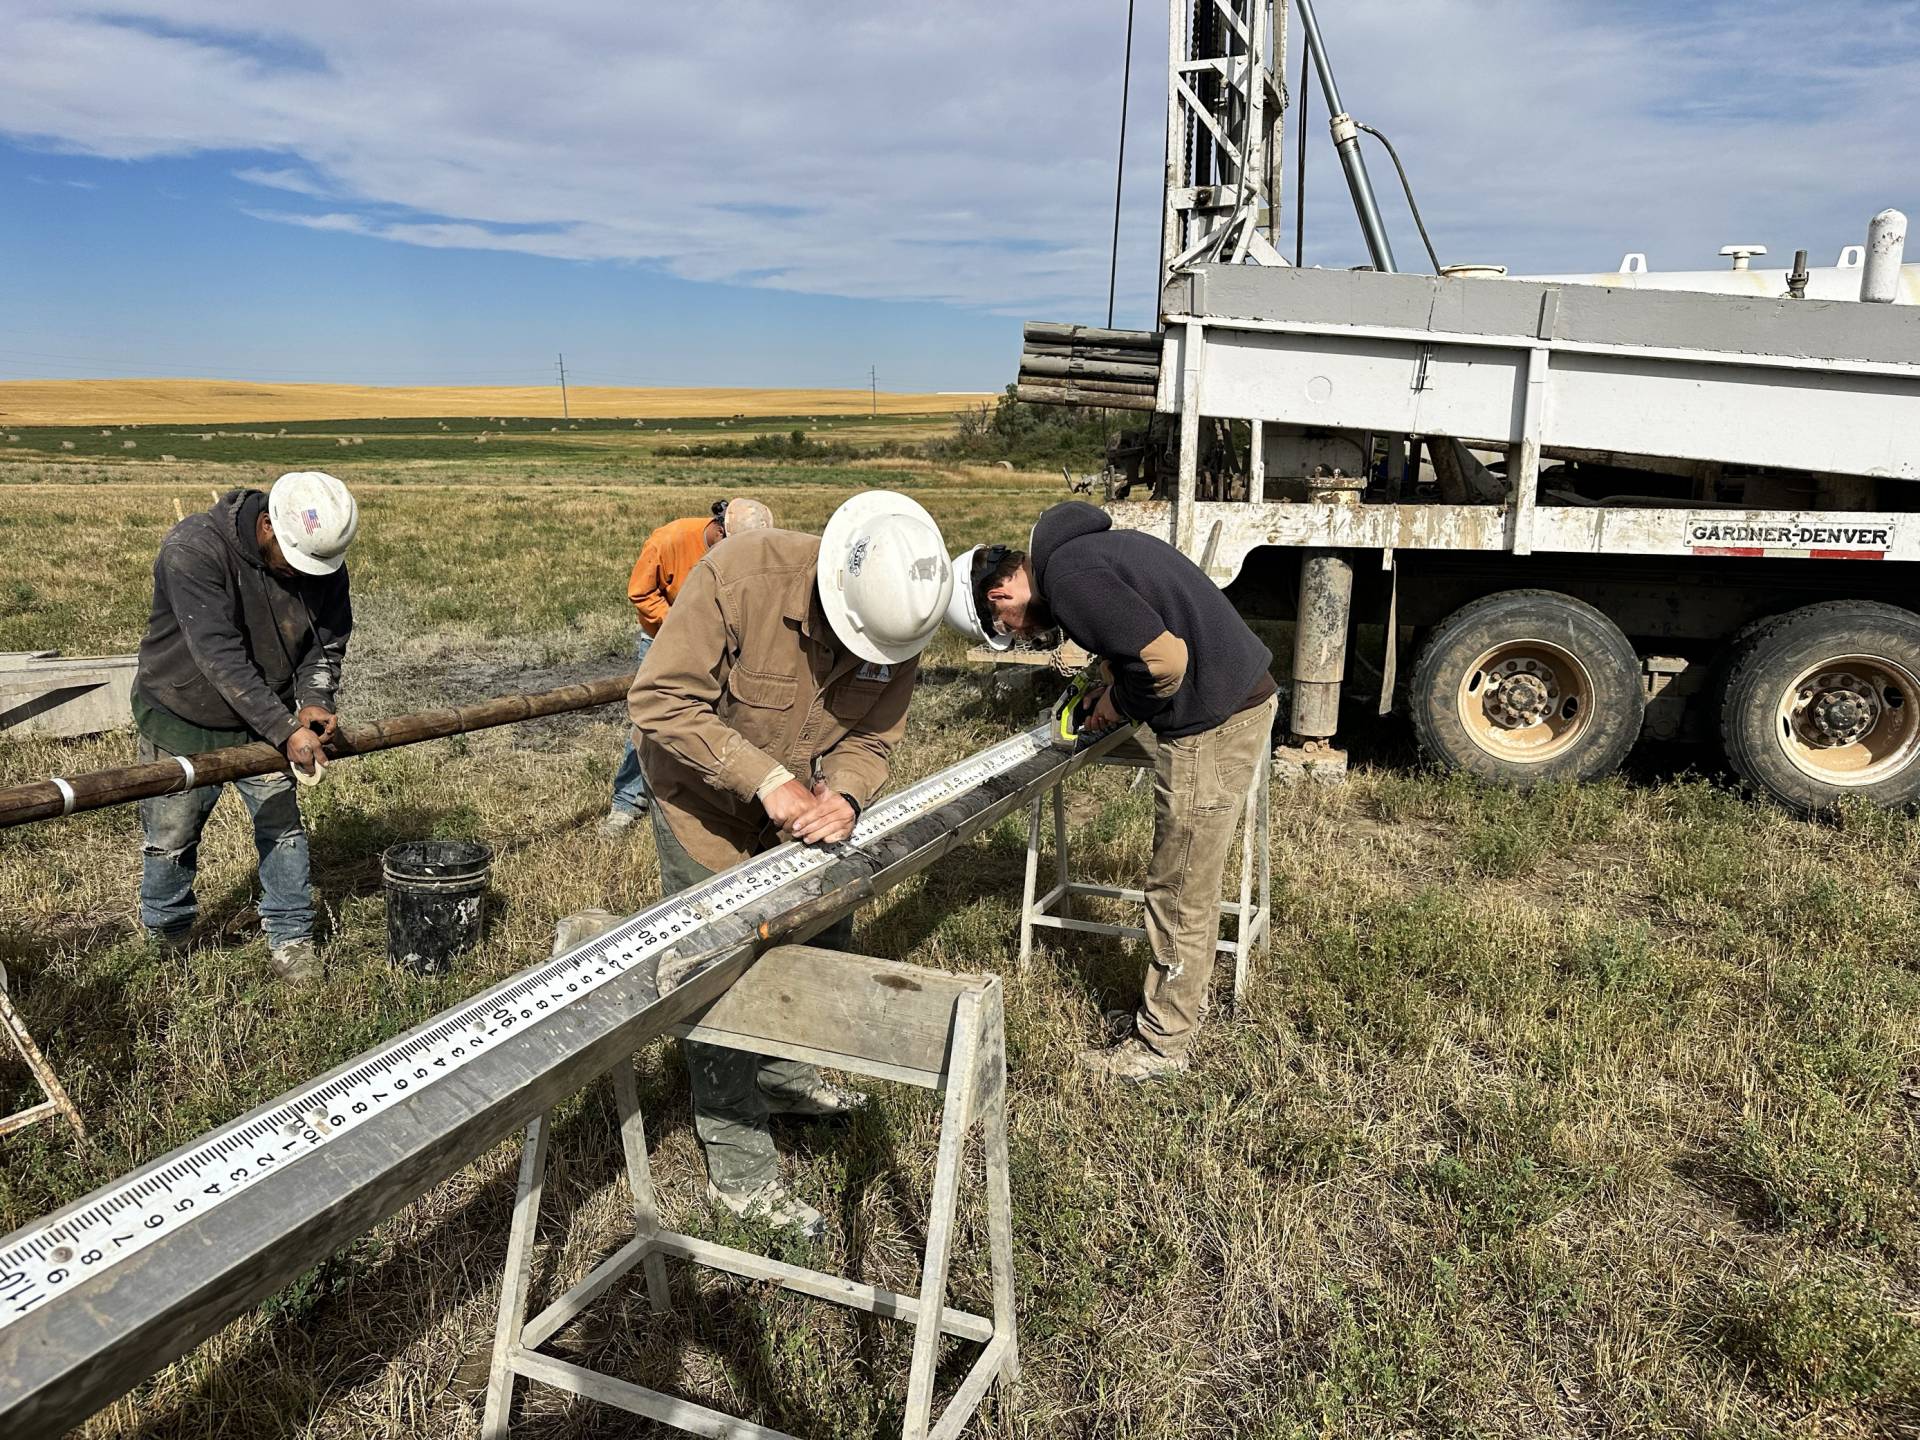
{"x": 665, "y": 561}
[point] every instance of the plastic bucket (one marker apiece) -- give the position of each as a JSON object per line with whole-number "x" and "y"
{"x": 436, "y": 891}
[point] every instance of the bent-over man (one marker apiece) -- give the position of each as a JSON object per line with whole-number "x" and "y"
{"x": 768, "y": 707}
{"x": 665, "y": 560}
{"x": 1179, "y": 658}
{"x": 245, "y": 642}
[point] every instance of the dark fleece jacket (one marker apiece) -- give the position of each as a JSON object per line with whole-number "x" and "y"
{"x": 1182, "y": 658}
{"x": 230, "y": 645}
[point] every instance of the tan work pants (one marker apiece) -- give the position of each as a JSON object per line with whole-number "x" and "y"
{"x": 1200, "y": 785}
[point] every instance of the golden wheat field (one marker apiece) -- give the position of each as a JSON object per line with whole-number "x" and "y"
{"x": 139, "y": 402}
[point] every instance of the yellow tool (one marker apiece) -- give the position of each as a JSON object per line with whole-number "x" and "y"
{"x": 1070, "y": 712}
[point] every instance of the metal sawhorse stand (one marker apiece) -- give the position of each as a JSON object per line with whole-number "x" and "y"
{"x": 847, "y": 1012}
{"x": 1252, "y": 914}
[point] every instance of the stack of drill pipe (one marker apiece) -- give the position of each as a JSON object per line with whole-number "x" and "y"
{"x": 1081, "y": 365}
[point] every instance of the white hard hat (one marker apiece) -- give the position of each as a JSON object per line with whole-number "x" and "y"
{"x": 963, "y": 611}
{"x": 314, "y": 519}
{"x": 741, "y": 514}
{"x": 884, "y": 577}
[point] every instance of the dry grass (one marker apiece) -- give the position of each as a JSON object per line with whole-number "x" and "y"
{"x": 1584, "y": 1113}
{"x": 140, "y": 402}
{"x": 496, "y": 553}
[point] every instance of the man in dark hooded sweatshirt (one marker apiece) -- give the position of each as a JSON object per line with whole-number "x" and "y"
{"x": 245, "y": 642}
{"x": 1180, "y": 659}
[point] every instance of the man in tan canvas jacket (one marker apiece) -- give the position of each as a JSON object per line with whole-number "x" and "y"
{"x": 767, "y": 708}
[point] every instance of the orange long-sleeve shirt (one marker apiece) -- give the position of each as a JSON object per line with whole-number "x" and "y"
{"x": 665, "y": 561}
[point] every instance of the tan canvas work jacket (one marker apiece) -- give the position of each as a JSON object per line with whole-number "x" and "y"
{"x": 745, "y": 677}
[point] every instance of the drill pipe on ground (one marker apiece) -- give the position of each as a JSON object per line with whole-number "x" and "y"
{"x": 74, "y": 1338}
{"x": 49, "y": 799}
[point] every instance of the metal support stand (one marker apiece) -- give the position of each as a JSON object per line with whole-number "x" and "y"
{"x": 1252, "y": 915}
{"x": 57, "y": 1101}
{"x": 847, "y": 1012}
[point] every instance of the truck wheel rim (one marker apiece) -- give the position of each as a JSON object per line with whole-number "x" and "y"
{"x": 1526, "y": 701}
{"x": 1851, "y": 720}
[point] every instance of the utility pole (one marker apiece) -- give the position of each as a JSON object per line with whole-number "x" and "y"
{"x": 565, "y": 414}
{"x": 873, "y": 388}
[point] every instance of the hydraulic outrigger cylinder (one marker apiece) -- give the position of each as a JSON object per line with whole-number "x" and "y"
{"x": 1326, "y": 577}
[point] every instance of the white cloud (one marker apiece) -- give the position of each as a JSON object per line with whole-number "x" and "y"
{"x": 297, "y": 182}
{"x": 963, "y": 152}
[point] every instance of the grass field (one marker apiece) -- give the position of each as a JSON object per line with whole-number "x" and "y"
{"x": 1590, "y": 1112}
{"x": 140, "y": 402}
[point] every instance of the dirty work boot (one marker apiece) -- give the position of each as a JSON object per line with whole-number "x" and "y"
{"x": 171, "y": 944}
{"x": 773, "y": 1205}
{"x": 818, "y": 1097}
{"x": 297, "y": 962}
{"x": 1132, "y": 1060}
{"x": 619, "y": 820}
{"x": 1120, "y": 1022}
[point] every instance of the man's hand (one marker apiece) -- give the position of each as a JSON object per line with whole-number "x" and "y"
{"x": 832, "y": 819}
{"x": 786, "y": 805}
{"x": 319, "y": 719}
{"x": 304, "y": 751}
{"x": 1104, "y": 715}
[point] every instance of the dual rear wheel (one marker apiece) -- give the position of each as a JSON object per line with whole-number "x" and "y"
{"x": 1823, "y": 702}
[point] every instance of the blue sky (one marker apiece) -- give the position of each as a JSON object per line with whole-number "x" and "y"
{"x": 786, "y": 193}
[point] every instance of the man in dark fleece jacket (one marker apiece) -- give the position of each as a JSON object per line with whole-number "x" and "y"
{"x": 1181, "y": 660}
{"x": 245, "y": 642}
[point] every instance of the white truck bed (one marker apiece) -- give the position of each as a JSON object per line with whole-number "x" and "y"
{"x": 1550, "y": 370}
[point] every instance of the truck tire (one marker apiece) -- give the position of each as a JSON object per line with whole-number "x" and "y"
{"x": 1824, "y": 702}
{"x": 1527, "y": 686}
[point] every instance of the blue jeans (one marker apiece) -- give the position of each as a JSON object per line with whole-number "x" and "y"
{"x": 169, "y": 860}
{"x": 629, "y": 784}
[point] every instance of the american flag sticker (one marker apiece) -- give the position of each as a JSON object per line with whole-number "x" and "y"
{"x": 310, "y": 519}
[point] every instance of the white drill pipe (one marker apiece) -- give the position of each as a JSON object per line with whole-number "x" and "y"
{"x": 1886, "y": 248}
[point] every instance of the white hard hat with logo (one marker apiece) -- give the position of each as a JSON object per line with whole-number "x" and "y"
{"x": 314, "y": 519}
{"x": 967, "y": 612}
{"x": 884, "y": 576}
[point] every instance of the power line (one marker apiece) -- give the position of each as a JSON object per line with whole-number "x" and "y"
{"x": 565, "y": 414}
{"x": 1120, "y": 167}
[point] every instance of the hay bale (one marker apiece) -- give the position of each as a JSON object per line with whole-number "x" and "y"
{"x": 66, "y": 444}
{"x": 167, "y": 458}
{"x": 358, "y": 440}
{"x": 128, "y": 444}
